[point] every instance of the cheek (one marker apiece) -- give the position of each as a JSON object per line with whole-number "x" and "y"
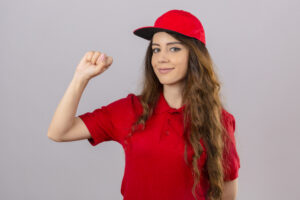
{"x": 183, "y": 71}
{"x": 183, "y": 65}
{"x": 186, "y": 63}
{"x": 152, "y": 61}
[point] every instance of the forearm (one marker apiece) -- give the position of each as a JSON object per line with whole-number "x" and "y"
{"x": 64, "y": 115}
{"x": 229, "y": 198}
{"x": 230, "y": 190}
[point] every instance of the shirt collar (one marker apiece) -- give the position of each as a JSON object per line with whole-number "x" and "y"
{"x": 162, "y": 106}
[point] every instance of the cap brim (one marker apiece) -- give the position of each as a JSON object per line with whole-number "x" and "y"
{"x": 147, "y": 32}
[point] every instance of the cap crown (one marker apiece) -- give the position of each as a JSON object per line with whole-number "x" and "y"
{"x": 182, "y": 22}
{"x": 178, "y": 21}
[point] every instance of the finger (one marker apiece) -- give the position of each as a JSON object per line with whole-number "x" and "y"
{"x": 109, "y": 60}
{"x": 89, "y": 56}
{"x": 83, "y": 59}
{"x": 101, "y": 59}
{"x": 95, "y": 57}
{"x": 101, "y": 63}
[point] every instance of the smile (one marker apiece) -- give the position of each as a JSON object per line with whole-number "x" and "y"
{"x": 165, "y": 71}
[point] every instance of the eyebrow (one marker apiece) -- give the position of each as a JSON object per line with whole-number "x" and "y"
{"x": 167, "y": 43}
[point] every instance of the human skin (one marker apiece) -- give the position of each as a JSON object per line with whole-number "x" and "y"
{"x": 167, "y": 54}
{"x": 176, "y": 56}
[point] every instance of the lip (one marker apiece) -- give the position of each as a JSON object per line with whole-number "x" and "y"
{"x": 165, "y": 70}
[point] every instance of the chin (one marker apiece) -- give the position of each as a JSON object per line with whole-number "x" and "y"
{"x": 168, "y": 82}
{"x": 165, "y": 81}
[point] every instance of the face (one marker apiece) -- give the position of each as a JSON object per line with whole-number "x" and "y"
{"x": 169, "y": 59}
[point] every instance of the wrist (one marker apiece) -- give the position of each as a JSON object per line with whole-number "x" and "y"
{"x": 80, "y": 79}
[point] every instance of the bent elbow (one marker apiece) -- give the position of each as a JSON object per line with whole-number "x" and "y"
{"x": 51, "y": 137}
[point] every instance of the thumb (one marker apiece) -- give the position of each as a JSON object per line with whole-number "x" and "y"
{"x": 101, "y": 59}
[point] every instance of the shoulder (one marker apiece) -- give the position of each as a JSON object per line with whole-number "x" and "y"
{"x": 130, "y": 103}
{"x": 226, "y": 114}
{"x": 228, "y": 120}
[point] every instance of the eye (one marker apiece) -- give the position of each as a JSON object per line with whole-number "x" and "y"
{"x": 153, "y": 50}
{"x": 175, "y": 49}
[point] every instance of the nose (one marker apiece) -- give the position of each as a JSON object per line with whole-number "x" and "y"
{"x": 162, "y": 56}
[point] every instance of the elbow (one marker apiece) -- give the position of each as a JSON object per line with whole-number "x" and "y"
{"x": 53, "y": 138}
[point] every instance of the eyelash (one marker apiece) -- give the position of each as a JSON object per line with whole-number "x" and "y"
{"x": 171, "y": 48}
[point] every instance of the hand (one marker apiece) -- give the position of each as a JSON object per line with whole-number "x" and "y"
{"x": 91, "y": 65}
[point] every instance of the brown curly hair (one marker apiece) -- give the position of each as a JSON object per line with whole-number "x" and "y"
{"x": 202, "y": 115}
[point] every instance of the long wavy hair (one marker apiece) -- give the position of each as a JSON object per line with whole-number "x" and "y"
{"x": 202, "y": 113}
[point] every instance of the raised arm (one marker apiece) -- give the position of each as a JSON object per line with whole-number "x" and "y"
{"x": 64, "y": 125}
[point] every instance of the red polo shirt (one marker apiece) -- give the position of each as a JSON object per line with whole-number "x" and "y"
{"x": 154, "y": 158}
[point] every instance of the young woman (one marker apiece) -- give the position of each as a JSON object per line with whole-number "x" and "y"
{"x": 177, "y": 137}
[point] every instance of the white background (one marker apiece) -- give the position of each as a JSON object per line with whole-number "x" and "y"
{"x": 254, "y": 44}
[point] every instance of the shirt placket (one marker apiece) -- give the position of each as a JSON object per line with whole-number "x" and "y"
{"x": 166, "y": 127}
{"x": 170, "y": 126}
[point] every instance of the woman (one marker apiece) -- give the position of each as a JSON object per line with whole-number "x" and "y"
{"x": 178, "y": 139}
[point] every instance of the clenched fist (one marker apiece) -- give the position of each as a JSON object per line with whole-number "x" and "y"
{"x": 92, "y": 64}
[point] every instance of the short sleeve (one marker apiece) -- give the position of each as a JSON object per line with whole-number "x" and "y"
{"x": 100, "y": 125}
{"x": 111, "y": 121}
{"x": 231, "y": 160}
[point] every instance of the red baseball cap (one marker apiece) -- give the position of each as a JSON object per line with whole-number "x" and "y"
{"x": 178, "y": 21}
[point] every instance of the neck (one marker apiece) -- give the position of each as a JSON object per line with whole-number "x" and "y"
{"x": 173, "y": 95}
